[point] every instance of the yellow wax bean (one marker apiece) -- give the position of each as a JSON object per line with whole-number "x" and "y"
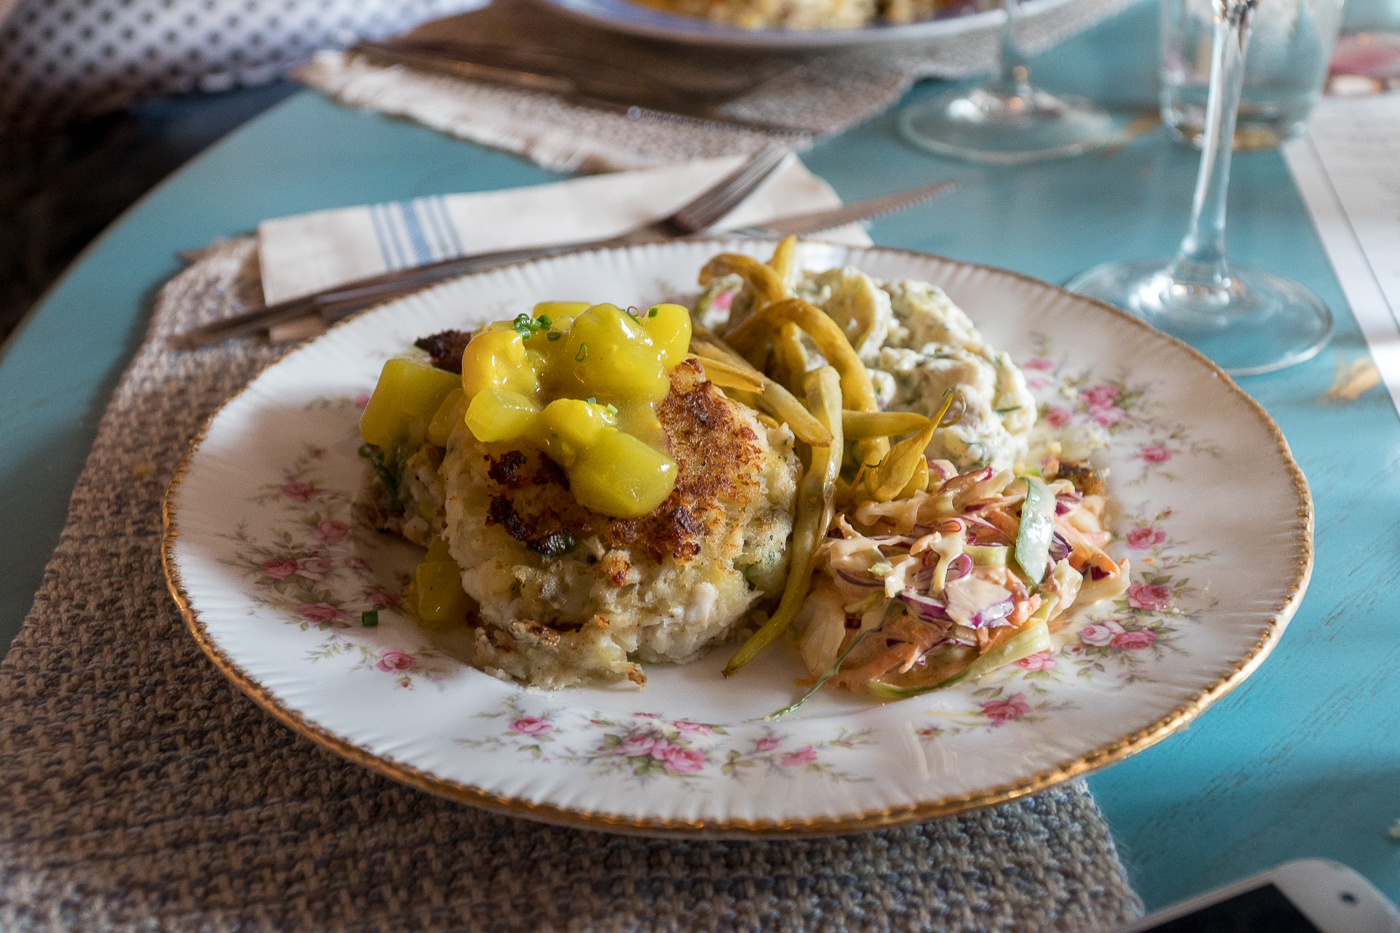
{"x": 789, "y": 356}
{"x": 858, "y": 425}
{"x": 897, "y": 470}
{"x": 815, "y": 507}
{"x": 730, "y": 377}
{"x": 784, "y": 258}
{"x": 856, "y": 387}
{"x": 766, "y": 284}
{"x": 774, "y": 399}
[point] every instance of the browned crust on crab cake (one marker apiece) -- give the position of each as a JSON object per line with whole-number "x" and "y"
{"x": 658, "y": 587}
{"x": 718, "y": 460}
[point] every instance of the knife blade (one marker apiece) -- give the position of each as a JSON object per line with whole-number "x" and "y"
{"x": 817, "y": 221}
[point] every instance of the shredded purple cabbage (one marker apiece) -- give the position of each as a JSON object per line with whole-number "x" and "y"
{"x": 993, "y": 614}
{"x": 925, "y": 608}
{"x": 856, "y": 579}
{"x": 959, "y": 567}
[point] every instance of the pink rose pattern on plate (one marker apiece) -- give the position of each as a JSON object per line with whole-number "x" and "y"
{"x": 645, "y": 746}
{"x": 306, "y": 567}
{"x": 1145, "y": 621}
{"x": 1125, "y": 410}
{"x": 1122, "y": 638}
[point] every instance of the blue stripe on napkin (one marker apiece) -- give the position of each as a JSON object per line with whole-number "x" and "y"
{"x": 386, "y": 236}
{"x": 413, "y": 227}
{"x": 434, "y": 211}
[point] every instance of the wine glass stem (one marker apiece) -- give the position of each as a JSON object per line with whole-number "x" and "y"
{"x": 1012, "y": 73}
{"x": 1201, "y": 259}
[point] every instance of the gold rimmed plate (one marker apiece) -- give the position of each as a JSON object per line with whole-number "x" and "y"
{"x": 278, "y": 579}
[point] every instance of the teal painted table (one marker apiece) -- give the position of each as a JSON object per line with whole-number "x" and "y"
{"x": 1303, "y": 760}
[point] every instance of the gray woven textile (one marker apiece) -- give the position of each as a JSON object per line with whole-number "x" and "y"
{"x": 140, "y": 791}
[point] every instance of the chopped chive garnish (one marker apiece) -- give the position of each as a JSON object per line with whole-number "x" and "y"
{"x": 544, "y": 320}
{"x": 553, "y": 335}
{"x": 369, "y": 618}
{"x": 612, "y": 409}
{"x": 651, "y": 313}
{"x": 593, "y": 400}
{"x": 582, "y": 353}
{"x": 526, "y": 327}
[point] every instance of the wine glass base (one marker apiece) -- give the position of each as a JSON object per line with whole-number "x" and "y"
{"x": 1259, "y": 323}
{"x": 986, "y": 125}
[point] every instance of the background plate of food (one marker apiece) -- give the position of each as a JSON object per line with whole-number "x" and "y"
{"x": 788, "y": 25}
{"x": 275, "y": 553}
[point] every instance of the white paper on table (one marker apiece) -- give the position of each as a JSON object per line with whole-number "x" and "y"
{"x": 1347, "y": 168}
{"x": 310, "y": 252}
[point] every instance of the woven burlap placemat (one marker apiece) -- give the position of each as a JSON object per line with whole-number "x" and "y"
{"x": 817, "y": 92}
{"x": 140, "y": 791}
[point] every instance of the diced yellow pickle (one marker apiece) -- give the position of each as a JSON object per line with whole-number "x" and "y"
{"x": 404, "y": 401}
{"x": 548, "y": 342}
{"x": 630, "y": 374}
{"x": 554, "y": 310}
{"x": 435, "y": 595}
{"x": 613, "y": 357}
{"x": 620, "y": 476}
{"x": 500, "y": 415}
{"x": 668, "y": 325}
{"x": 604, "y": 371}
{"x": 571, "y": 426}
{"x": 447, "y": 417}
{"x": 497, "y": 359}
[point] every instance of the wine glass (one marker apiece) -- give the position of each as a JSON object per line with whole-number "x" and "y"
{"x": 1247, "y": 320}
{"x": 1006, "y": 120}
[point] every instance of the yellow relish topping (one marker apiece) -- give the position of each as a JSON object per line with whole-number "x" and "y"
{"x": 583, "y": 383}
{"x": 435, "y": 597}
{"x": 405, "y": 404}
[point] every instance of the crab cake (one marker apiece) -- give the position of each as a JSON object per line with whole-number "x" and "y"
{"x": 567, "y": 595}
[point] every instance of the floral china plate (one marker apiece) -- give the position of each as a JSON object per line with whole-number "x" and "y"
{"x": 638, "y": 18}
{"x": 279, "y": 582}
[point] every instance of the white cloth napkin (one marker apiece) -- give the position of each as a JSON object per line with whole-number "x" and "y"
{"x": 309, "y": 252}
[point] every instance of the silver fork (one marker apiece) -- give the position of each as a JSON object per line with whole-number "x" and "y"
{"x": 339, "y": 301}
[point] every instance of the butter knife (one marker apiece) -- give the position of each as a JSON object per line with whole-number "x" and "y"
{"x": 371, "y": 291}
{"x": 795, "y": 225}
{"x": 636, "y": 98}
{"x": 831, "y": 218}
